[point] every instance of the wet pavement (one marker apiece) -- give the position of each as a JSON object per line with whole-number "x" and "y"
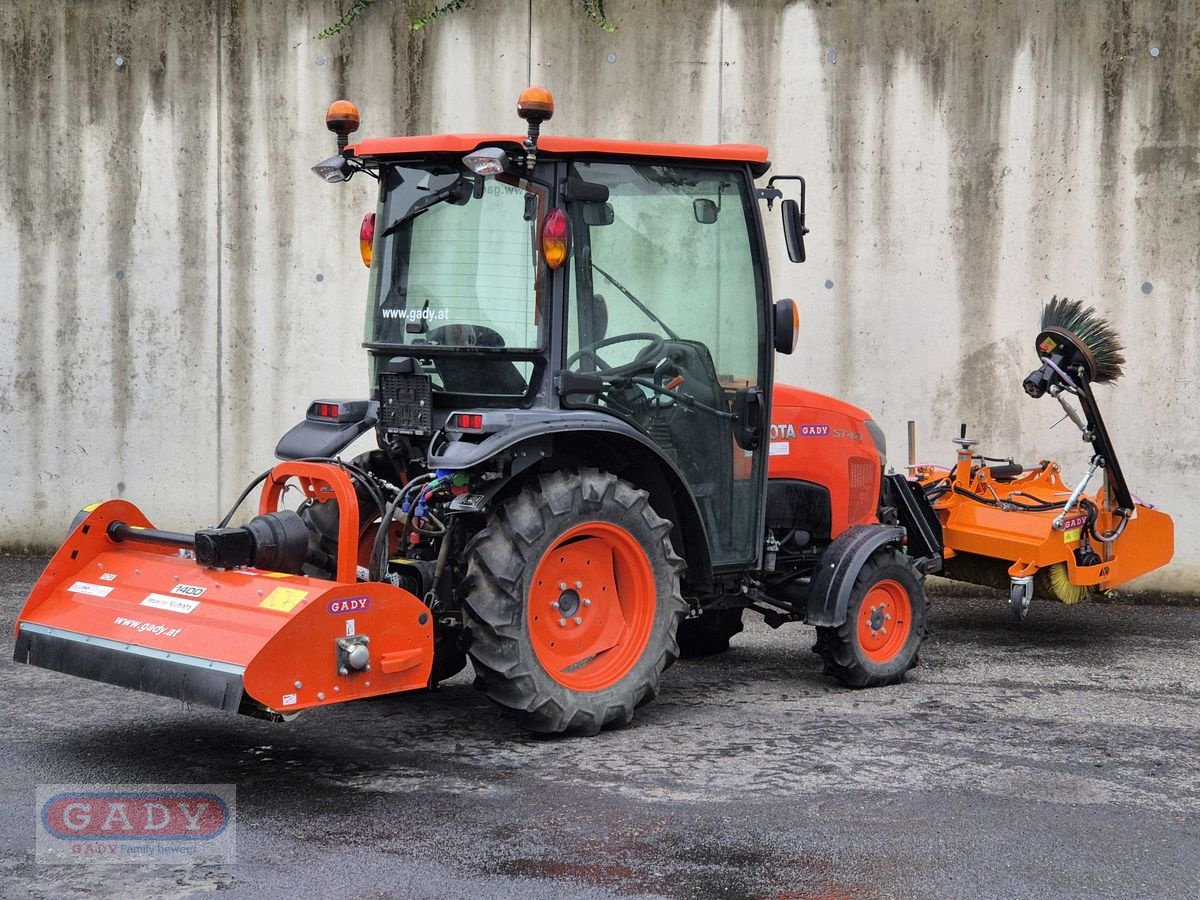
{"x": 1058, "y": 758}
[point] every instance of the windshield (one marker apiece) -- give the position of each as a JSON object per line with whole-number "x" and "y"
{"x": 457, "y": 264}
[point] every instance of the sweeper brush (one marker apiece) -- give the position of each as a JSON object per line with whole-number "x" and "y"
{"x": 1022, "y": 527}
{"x": 1082, "y": 327}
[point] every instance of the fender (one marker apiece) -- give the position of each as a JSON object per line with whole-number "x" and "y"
{"x": 829, "y": 593}
{"x": 318, "y": 437}
{"x": 594, "y": 439}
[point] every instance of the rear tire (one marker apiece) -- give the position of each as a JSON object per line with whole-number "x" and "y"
{"x": 885, "y": 624}
{"x": 708, "y": 633}
{"x": 572, "y": 601}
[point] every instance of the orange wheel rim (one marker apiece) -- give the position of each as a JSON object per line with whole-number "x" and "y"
{"x": 884, "y": 621}
{"x": 591, "y": 606}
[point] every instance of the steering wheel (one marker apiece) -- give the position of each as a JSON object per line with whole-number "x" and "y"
{"x": 646, "y": 358}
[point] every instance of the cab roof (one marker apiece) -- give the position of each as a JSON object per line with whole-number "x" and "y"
{"x": 752, "y": 155}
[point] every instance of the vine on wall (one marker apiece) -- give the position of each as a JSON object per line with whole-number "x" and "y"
{"x": 593, "y": 11}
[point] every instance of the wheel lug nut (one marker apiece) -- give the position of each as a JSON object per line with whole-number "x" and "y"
{"x": 578, "y": 584}
{"x": 562, "y": 585}
{"x": 587, "y": 602}
{"x": 554, "y": 603}
{"x": 579, "y": 620}
{"x": 562, "y": 623}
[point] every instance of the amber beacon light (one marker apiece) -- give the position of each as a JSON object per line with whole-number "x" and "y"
{"x": 342, "y": 119}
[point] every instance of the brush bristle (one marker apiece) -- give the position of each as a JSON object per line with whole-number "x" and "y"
{"x": 1062, "y": 589}
{"x": 1091, "y": 330}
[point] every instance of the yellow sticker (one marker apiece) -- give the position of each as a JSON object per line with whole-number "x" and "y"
{"x": 1070, "y": 537}
{"x": 283, "y": 599}
{"x": 276, "y": 575}
{"x": 1048, "y": 345}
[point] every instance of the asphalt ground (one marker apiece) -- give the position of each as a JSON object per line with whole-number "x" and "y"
{"x": 1058, "y": 758}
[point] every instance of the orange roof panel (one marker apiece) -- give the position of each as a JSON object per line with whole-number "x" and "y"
{"x": 752, "y": 154}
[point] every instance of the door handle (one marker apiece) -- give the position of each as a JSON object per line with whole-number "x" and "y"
{"x": 748, "y": 417}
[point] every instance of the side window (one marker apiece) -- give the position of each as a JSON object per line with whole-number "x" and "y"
{"x": 689, "y": 263}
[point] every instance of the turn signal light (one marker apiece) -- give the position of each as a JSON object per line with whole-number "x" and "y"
{"x": 366, "y": 238}
{"x": 787, "y": 325}
{"x": 555, "y": 238}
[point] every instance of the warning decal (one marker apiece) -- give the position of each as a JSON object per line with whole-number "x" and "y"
{"x": 283, "y": 599}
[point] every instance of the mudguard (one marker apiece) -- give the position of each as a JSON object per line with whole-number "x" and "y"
{"x": 829, "y": 593}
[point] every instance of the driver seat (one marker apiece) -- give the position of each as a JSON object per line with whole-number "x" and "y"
{"x": 475, "y": 375}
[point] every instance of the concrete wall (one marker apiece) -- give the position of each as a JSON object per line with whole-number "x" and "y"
{"x": 176, "y": 284}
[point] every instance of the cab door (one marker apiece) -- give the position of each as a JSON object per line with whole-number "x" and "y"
{"x": 668, "y": 288}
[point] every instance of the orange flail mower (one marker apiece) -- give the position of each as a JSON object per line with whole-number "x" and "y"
{"x": 210, "y": 617}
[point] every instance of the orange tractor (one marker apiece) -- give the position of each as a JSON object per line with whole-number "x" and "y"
{"x": 584, "y": 466}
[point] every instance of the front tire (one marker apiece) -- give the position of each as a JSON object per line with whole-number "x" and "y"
{"x": 885, "y": 624}
{"x": 572, "y": 601}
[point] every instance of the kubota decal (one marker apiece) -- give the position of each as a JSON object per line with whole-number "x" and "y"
{"x": 348, "y": 605}
{"x": 783, "y": 432}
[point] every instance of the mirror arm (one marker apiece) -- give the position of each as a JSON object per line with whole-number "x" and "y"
{"x": 770, "y": 194}
{"x": 803, "y": 190}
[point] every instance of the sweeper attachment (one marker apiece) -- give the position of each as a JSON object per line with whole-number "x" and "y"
{"x": 1027, "y": 530}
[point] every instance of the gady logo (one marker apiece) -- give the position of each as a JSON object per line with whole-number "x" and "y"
{"x": 135, "y": 816}
{"x": 124, "y": 823}
{"x": 348, "y": 605}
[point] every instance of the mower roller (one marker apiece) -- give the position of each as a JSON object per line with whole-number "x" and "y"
{"x": 584, "y": 467}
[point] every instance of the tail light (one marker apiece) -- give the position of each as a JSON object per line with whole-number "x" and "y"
{"x": 468, "y": 421}
{"x": 366, "y": 238}
{"x": 339, "y": 411}
{"x": 555, "y": 238}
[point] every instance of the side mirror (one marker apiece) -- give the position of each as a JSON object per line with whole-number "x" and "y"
{"x": 598, "y": 213}
{"x": 704, "y": 210}
{"x": 793, "y": 230}
{"x": 787, "y": 325}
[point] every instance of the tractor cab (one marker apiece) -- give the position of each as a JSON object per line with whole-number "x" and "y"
{"x": 516, "y": 279}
